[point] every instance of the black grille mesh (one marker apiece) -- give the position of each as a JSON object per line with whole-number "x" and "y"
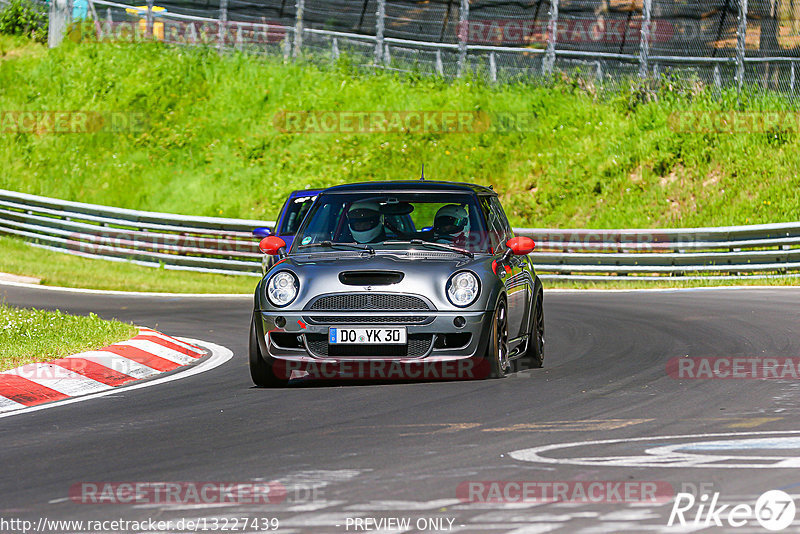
{"x": 377, "y": 301}
{"x": 418, "y": 345}
{"x": 368, "y": 319}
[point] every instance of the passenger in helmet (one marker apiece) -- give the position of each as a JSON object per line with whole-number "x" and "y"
{"x": 366, "y": 222}
{"x": 451, "y": 225}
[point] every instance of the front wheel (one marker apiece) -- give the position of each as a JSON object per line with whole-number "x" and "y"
{"x": 260, "y": 370}
{"x": 497, "y": 351}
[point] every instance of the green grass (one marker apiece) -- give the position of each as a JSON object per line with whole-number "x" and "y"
{"x": 15, "y": 46}
{"x": 591, "y": 158}
{"x": 57, "y": 269}
{"x": 28, "y": 335}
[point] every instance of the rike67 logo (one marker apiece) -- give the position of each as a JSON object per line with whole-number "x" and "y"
{"x": 774, "y": 510}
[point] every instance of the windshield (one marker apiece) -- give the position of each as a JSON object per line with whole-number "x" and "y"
{"x": 385, "y": 221}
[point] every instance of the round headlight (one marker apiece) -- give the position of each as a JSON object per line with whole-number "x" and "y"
{"x": 463, "y": 288}
{"x": 282, "y": 288}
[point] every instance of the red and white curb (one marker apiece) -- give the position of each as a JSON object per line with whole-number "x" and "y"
{"x": 148, "y": 354}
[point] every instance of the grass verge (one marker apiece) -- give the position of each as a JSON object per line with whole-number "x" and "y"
{"x": 57, "y": 269}
{"x": 212, "y": 142}
{"x": 28, "y": 335}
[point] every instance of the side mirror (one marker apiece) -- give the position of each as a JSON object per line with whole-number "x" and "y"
{"x": 521, "y": 245}
{"x": 273, "y": 245}
{"x": 263, "y": 231}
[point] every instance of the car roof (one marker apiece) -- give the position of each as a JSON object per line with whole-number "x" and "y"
{"x": 411, "y": 186}
{"x": 303, "y": 192}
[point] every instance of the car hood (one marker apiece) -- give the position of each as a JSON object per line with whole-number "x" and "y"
{"x": 423, "y": 273}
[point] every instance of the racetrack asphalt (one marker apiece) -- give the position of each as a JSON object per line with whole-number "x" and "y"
{"x": 402, "y": 450}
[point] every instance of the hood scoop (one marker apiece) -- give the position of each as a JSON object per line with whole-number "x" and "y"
{"x": 370, "y": 278}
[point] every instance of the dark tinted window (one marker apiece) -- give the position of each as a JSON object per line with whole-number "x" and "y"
{"x": 497, "y": 231}
{"x": 295, "y": 211}
{"x": 501, "y": 217}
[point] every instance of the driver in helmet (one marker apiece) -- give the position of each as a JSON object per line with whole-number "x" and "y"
{"x": 451, "y": 225}
{"x": 366, "y": 222}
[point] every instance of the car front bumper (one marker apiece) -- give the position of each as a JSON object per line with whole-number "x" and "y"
{"x": 441, "y": 344}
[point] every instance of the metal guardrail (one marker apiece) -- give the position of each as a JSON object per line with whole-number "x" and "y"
{"x": 213, "y": 244}
{"x": 205, "y": 244}
{"x": 715, "y": 252}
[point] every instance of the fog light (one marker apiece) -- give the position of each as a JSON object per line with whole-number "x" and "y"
{"x": 459, "y": 322}
{"x": 280, "y": 322}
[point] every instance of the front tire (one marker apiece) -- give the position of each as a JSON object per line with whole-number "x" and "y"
{"x": 497, "y": 351}
{"x": 260, "y": 370}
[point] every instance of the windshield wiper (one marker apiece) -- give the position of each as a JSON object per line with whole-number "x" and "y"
{"x": 440, "y": 246}
{"x": 348, "y": 246}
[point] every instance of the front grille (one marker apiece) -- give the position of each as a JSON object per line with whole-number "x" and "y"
{"x": 368, "y": 319}
{"x": 418, "y": 345}
{"x": 369, "y": 301}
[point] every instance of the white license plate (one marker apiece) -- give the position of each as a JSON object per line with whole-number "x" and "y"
{"x": 345, "y": 335}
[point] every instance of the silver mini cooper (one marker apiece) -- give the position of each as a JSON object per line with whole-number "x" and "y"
{"x": 398, "y": 280}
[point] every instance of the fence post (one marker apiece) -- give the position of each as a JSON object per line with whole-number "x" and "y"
{"x": 109, "y": 23}
{"x": 287, "y": 48}
{"x": 439, "y": 66}
{"x": 298, "y": 27}
{"x": 644, "y": 38}
{"x": 97, "y": 28}
{"x": 741, "y": 33}
{"x": 380, "y": 21}
{"x": 239, "y": 43}
{"x": 791, "y": 79}
{"x": 223, "y": 22}
{"x": 552, "y": 38}
{"x": 60, "y": 17}
{"x": 463, "y": 35}
{"x": 335, "y": 50}
{"x": 148, "y": 32}
{"x": 492, "y": 67}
